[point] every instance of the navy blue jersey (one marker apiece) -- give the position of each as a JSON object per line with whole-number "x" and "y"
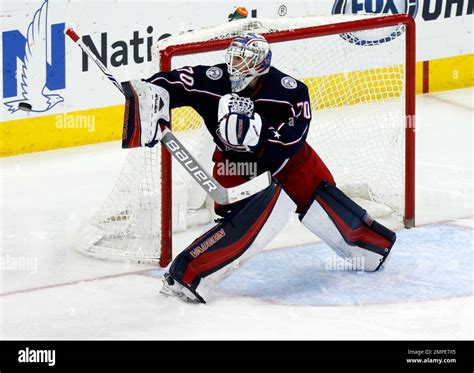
{"x": 280, "y": 100}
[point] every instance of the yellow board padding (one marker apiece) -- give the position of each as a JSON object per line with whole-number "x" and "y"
{"x": 419, "y": 78}
{"x": 61, "y": 130}
{"x": 451, "y": 73}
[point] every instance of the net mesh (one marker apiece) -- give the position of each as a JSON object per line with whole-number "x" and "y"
{"x": 357, "y": 89}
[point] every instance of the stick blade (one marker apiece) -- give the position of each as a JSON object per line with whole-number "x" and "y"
{"x": 251, "y": 187}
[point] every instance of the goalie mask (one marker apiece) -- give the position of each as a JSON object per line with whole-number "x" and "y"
{"x": 247, "y": 57}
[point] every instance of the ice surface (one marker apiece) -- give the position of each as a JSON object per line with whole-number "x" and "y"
{"x": 431, "y": 262}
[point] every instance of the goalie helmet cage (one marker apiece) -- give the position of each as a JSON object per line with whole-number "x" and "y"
{"x": 136, "y": 222}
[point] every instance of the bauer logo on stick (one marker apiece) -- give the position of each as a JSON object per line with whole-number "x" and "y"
{"x": 190, "y": 163}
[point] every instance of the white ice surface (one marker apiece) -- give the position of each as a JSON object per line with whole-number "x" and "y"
{"x": 130, "y": 308}
{"x": 45, "y": 196}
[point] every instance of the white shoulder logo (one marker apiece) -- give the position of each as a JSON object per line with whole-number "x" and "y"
{"x": 288, "y": 82}
{"x": 214, "y": 73}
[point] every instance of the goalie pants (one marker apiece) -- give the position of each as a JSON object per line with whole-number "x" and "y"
{"x": 306, "y": 186}
{"x": 300, "y": 177}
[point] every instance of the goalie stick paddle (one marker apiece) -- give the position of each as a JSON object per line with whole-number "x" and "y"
{"x": 211, "y": 186}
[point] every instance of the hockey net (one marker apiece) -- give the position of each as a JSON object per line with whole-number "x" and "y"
{"x": 360, "y": 74}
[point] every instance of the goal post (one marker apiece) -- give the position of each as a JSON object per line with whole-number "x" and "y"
{"x": 360, "y": 72}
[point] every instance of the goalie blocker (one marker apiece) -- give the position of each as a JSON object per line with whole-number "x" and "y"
{"x": 251, "y": 225}
{"x": 145, "y": 106}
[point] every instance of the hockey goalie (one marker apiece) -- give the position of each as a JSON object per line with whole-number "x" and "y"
{"x": 259, "y": 115}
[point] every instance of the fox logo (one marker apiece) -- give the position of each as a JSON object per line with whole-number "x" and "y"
{"x": 380, "y": 7}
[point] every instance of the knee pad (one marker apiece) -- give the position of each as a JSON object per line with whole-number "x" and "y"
{"x": 235, "y": 238}
{"x": 347, "y": 228}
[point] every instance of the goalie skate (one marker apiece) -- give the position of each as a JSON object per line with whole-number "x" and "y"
{"x": 172, "y": 288}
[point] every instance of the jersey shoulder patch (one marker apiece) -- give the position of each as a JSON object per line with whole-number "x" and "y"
{"x": 288, "y": 82}
{"x": 214, "y": 73}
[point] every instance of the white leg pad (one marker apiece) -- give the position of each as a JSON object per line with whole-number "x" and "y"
{"x": 319, "y": 222}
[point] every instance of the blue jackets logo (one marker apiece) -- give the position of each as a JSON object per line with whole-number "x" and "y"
{"x": 34, "y": 65}
{"x": 377, "y": 7}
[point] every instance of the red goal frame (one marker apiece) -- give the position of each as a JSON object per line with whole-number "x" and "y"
{"x": 167, "y": 55}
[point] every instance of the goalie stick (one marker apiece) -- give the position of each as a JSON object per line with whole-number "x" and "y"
{"x": 216, "y": 191}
